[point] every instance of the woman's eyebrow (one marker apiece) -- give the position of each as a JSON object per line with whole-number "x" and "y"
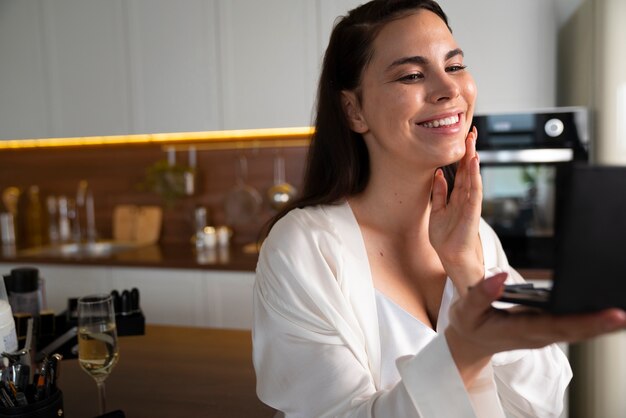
{"x": 418, "y": 59}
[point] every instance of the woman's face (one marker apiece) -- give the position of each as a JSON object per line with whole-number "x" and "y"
{"x": 416, "y": 97}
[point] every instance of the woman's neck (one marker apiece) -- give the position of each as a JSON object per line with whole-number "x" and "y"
{"x": 399, "y": 204}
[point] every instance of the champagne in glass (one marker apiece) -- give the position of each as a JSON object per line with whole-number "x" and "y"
{"x": 97, "y": 339}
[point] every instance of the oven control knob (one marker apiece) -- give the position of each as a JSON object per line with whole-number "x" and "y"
{"x": 554, "y": 127}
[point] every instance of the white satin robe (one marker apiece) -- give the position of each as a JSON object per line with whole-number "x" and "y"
{"x": 316, "y": 339}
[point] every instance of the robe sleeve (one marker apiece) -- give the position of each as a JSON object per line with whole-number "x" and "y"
{"x": 531, "y": 383}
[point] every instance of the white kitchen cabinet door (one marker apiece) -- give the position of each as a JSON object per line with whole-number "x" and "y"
{"x": 87, "y": 73}
{"x": 229, "y": 299}
{"x": 268, "y": 62}
{"x": 167, "y": 296}
{"x": 174, "y": 65}
{"x": 23, "y": 90}
{"x": 64, "y": 282}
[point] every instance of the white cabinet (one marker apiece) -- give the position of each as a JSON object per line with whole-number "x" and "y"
{"x": 85, "y": 60}
{"x": 173, "y": 64}
{"x": 228, "y": 297}
{"x": 92, "y": 67}
{"x": 63, "y": 282}
{"x": 203, "y": 298}
{"x": 23, "y": 82}
{"x": 168, "y": 296}
{"x": 268, "y": 62}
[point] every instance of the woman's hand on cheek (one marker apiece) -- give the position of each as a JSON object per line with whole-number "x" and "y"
{"x": 477, "y": 330}
{"x": 453, "y": 227}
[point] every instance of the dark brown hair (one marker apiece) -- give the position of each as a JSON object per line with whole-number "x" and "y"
{"x": 338, "y": 161}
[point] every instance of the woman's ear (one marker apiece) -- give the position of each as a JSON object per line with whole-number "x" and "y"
{"x": 352, "y": 110}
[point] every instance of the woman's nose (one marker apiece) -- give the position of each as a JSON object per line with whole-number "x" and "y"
{"x": 443, "y": 88}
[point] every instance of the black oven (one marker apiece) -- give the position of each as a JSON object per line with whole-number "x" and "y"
{"x": 525, "y": 159}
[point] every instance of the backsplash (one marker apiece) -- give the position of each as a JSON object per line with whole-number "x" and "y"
{"x": 114, "y": 174}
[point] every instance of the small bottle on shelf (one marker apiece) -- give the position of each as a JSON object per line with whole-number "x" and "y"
{"x": 34, "y": 218}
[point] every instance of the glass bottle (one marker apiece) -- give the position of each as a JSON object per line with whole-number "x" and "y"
{"x": 34, "y": 218}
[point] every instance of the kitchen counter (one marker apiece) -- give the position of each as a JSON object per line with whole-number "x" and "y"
{"x": 178, "y": 285}
{"x": 232, "y": 258}
{"x": 170, "y": 372}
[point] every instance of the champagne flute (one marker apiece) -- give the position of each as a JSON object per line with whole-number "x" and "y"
{"x": 97, "y": 339}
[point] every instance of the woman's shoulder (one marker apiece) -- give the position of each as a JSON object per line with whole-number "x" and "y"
{"x": 307, "y": 240}
{"x": 319, "y": 220}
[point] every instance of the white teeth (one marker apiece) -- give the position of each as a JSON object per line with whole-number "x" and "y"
{"x": 441, "y": 122}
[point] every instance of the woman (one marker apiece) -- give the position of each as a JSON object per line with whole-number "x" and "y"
{"x": 370, "y": 298}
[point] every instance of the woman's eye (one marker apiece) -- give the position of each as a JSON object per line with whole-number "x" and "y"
{"x": 456, "y": 68}
{"x": 411, "y": 77}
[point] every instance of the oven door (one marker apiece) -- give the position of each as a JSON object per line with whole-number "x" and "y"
{"x": 520, "y": 202}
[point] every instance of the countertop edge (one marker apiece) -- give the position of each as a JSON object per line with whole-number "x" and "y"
{"x": 233, "y": 258}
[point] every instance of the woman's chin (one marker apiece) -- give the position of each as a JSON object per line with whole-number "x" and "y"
{"x": 454, "y": 157}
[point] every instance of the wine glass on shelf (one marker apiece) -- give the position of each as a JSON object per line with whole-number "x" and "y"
{"x": 97, "y": 339}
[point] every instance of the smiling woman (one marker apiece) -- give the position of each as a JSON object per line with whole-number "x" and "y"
{"x": 374, "y": 288}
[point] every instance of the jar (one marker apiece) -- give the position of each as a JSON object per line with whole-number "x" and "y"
{"x": 24, "y": 291}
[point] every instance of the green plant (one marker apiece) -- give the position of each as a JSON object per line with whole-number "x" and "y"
{"x": 166, "y": 180}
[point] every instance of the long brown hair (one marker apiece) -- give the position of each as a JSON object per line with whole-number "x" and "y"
{"x": 338, "y": 161}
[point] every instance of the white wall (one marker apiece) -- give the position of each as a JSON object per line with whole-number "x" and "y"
{"x": 510, "y": 48}
{"x": 92, "y": 67}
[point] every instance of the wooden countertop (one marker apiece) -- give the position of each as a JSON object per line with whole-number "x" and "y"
{"x": 172, "y": 372}
{"x": 233, "y": 258}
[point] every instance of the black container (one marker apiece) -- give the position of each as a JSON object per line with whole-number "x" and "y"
{"x": 23, "y": 290}
{"x": 51, "y": 407}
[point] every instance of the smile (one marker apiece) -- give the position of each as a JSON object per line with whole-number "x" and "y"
{"x": 451, "y": 120}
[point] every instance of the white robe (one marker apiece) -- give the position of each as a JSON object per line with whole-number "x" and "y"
{"x": 316, "y": 340}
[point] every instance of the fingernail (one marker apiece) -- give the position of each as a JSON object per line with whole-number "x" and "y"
{"x": 474, "y": 165}
{"x": 493, "y": 284}
{"x": 617, "y": 320}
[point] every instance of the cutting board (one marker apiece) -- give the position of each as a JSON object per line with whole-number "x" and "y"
{"x": 139, "y": 224}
